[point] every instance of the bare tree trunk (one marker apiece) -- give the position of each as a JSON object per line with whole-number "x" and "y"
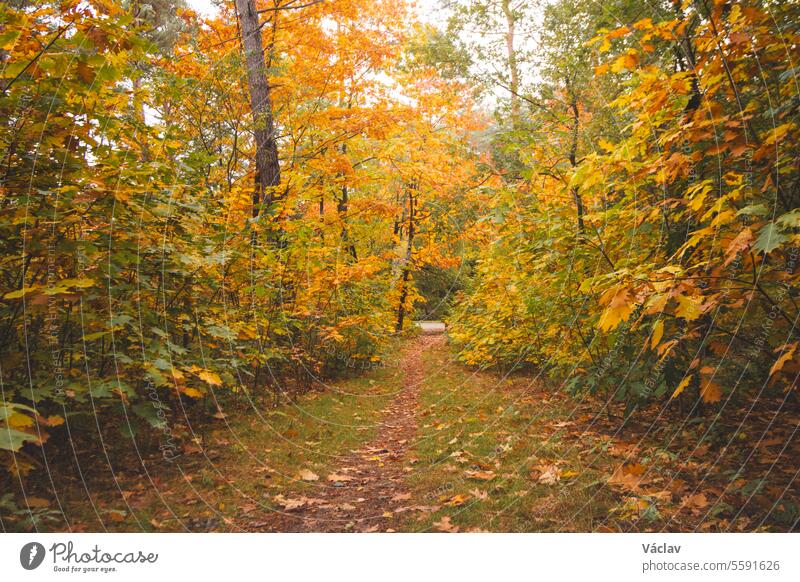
{"x": 342, "y": 208}
{"x": 513, "y": 68}
{"x": 573, "y": 152}
{"x": 406, "y": 275}
{"x": 268, "y": 174}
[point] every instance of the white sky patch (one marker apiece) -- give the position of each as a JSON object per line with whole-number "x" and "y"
{"x": 427, "y": 10}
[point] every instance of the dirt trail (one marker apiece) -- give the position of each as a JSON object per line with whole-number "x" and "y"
{"x": 371, "y": 485}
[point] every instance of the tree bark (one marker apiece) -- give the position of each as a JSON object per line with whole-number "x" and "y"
{"x": 342, "y": 208}
{"x": 268, "y": 173}
{"x": 573, "y": 152}
{"x": 513, "y": 68}
{"x": 406, "y": 275}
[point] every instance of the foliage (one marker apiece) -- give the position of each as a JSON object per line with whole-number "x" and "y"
{"x": 649, "y": 251}
{"x": 138, "y": 285}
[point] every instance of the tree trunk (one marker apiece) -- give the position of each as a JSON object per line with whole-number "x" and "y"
{"x": 513, "y": 69}
{"x": 268, "y": 174}
{"x": 406, "y": 275}
{"x": 573, "y": 153}
{"x": 342, "y": 208}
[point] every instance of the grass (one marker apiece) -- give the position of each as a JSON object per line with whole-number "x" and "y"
{"x": 483, "y": 444}
{"x": 247, "y": 459}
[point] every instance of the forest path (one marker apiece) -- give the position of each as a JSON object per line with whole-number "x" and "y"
{"x": 367, "y": 486}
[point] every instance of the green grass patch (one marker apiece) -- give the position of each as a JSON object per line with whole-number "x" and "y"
{"x": 483, "y": 446}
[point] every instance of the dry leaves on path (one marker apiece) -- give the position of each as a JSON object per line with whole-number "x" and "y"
{"x": 445, "y": 525}
{"x": 307, "y": 475}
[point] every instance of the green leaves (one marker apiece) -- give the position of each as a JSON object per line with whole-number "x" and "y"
{"x": 769, "y": 238}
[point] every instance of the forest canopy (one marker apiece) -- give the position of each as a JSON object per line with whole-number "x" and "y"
{"x": 206, "y": 211}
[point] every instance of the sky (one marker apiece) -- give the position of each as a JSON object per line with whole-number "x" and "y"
{"x": 428, "y": 10}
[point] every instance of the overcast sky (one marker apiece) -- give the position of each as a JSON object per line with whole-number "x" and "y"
{"x": 429, "y": 10}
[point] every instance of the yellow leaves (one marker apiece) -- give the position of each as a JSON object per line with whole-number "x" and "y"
{"x": 21, "y": 292}
{"x": 690, "y": 307}
{"x": 658, "y": 333}
{"x": 679, "y": 390}
{"x": 20, "y": 421}
{"x": 59, "y": 287}
{"x": 777, "y": 134}
{"x": 209, "y": 377}
{"x": 619, "y": 301}
{"x": 628, "y": 61}
{"x": 192, "y": 392}
{"x": 456, "y": 500}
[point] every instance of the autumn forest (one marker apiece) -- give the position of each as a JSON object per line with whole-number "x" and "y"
{"x": 385, "y": 266}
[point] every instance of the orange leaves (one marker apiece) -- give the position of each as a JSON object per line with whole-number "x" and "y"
{"x": 710, "y": 392}
{"x": 628, "y": 61}
{"x": 628, "y": 476}
{"x": 786, "y": 354}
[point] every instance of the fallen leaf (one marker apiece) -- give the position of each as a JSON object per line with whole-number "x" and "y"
{"x": 117, "y": 516}
{"x": 445, "y": 525}
{"x": 480, "y": 475}
{"x": 337, "y": 478}
{"x": 288, "y": 504}
{"x": 696, "y": 501}
{"x": 628, "y": 476}
{"x": 457, "y": 500}
{"x": 478, "y": 494}
{"x": 306, "y": 475}
{"x": 710, "y": 392}
{"x": 550, "y": 475}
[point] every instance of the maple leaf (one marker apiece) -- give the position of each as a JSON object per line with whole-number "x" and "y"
{"x": 445, "y": 525}
{"x": 658, "y": 333}
{"x": 769, "y": 238}
{"x": 710, "y": 392}
{"x": 338, "y": 478}
{"x": 628, "y": 476}
{"x": 548, "y": 474}
{"x": 619, "y": 308}
{"x": 459, "y": 499}
{"x": 689, "y": 307}
{"x": 480, "y": 475}
{"x": 478, "y": 494}
{"x": 209, "y": 377}
{"x": 289, "y": 504}
{"x": 781, "y": 361}
{"x": 696, "y": 501}
{"x": 683, "y": 384}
